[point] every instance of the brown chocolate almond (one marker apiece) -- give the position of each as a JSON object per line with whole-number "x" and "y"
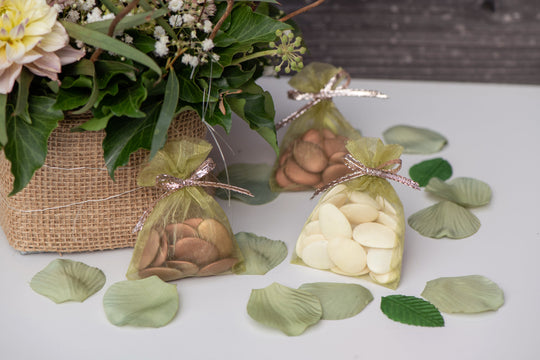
{"x": 313, "y": 136}
{"x": 328, "y": 134}
{"x": 195, "y": 250}
{"x": 165, "y": 274}
{"x": 334, "y": 171}
{"x": 150, "y": 249}
{"x": 332, "y": 146}
{"x": 161, "y": 255}
{"x": 299, "y": 175}
{"x": 282, "y": 179}
{"x": 216, "y": 233}
{"x": 309, "y": 156}
{"x": 186, "y": 267}
{"x": 193, "y": 222}
{"x": 337, "y": 158}
{"x": 178, "y": 231}
{"x": 218, "y": 267}
{"x": 285, "y": 155}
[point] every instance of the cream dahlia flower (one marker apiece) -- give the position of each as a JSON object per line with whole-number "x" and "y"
{"x": 31, "y": 37}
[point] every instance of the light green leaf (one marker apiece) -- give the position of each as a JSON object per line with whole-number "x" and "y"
{"x": 283, "y": 308}
{"x": 445, "y": 219}
{"x": 253, "y": 177}
{"x": 99, "y": 40}
{"x": 126, "y": 23}
{"x": 67, "y": 280}
{"x": 415, "y": 140}
{"x": 464, "y": 191}
{"x": 27, "y": 147}
{"x": 411, "y": 310}
{"x": 424, "y": 171}
{"x": 339, "y": 301}
{"x": 260, "y": 253}
{"x": 149, "y": 302}
{"x": 166, "y": 114}
{"x": 464, "y": 294}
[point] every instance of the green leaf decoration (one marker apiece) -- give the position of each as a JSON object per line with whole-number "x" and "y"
{"x": 29, "y": 155}
{"x": 464, "y": 191}
{"x": 23, "y": 91}
{"x": 415, "y": 140}
{"x": 253, "y": 177}
{"x": 424, "y": 171}
{"x": 100, "y": 40}
{"x": 445, "y": 219}
{"x": 149, "y": 302}
{"x": 166, "y": 114}
{"x": 411, "y": 310}
{"x": 464, "y": 294}
{"x": 339, "y": 301}
{"x": 283, "y": 308}
{"x": 67, "y": 280}
{"x": 260, "y": 253}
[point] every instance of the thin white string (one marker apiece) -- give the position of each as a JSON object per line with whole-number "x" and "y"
{"x": 5, "y": 201}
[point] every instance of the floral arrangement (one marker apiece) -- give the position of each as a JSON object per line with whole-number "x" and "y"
{"x": 135, "y": 65}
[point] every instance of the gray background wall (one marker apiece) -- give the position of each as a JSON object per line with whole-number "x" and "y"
{"x": 445, "y": 40}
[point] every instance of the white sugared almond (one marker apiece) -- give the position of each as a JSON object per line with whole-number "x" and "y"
{"x": 333, "y": 223}
{"x": 316, "y": 255}
{"x": 359, "y": 213}
{"x": 312, "y": 227}
{"x": 333, "y": 191}
{"x": 387, "y": 220}
{"x": 385, "y": 206}
{"x": 375, "y": 235}
{"x": 360, "y": 197}
{"x": 379, "y": 261}
{"x": 307, "y": 240}
{"x": 385, "y": 278}
{"x": 347, "y": 254}
{"x": 339, "y": 271}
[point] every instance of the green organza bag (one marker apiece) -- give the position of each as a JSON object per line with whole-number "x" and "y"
{"x": 187, "y": 232}
{"x": 358, "y": 226}
{"x": 312, "y": 149}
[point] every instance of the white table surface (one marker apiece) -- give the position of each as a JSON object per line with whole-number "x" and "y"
{"x": 493, "y": 135}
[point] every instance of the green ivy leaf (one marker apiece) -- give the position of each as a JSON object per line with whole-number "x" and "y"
{"x": 127, "y": 102}
{"x": 125, "y": 136}
{"x": 253, "y": 177}
{"x": 424, "y": 171}
{"x": 411, "y": 310}
{"x": 27, "y": 145}
{"x": 256, "y": 107}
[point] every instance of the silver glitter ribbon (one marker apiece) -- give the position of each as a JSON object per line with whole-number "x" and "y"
{"x": 170, "y": 184}
{"x": 330, "y": 90}
{"x": 359, "y": 169}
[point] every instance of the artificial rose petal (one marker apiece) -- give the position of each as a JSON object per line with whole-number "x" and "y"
{"x": 8, "y": 77}
{"x": 49, "y": 62}
{"x": 30, "y": 56}
{"x": 42, "y": 72}
{"x": 15, "y": 51}
{"x": 43, "y": 26}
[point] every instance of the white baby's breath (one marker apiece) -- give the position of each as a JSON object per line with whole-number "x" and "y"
{"x": 175, "y": 5}
{"x": 207, "y": 44}
{"x": 175, "y": 20}
{"x": 161, "y": 48}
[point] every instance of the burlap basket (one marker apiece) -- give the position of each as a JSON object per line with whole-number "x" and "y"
{"x": 71, "y": 204}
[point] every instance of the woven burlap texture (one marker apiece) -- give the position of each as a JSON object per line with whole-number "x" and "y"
{"x": 63, "y": 208}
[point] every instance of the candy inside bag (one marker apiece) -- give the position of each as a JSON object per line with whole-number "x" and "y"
{"x": 312, "y": 149}
{"x": 187, "y": 233}
{"x": 358, "y": 226}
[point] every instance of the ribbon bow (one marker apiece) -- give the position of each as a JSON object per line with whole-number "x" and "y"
{"x": 171, "y": 184}
{"x": 330, "y": 90}
{"x": 359, "y": 169}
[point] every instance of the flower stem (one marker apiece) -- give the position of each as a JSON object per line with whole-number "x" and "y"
{"x": 301, "y": 10}
{"x": 259, "y": 54}
{"x": 228, "y": 10}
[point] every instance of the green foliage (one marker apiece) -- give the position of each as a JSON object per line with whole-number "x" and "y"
{"x": 134, "y": 96}
{"x": 434, "y": 168}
